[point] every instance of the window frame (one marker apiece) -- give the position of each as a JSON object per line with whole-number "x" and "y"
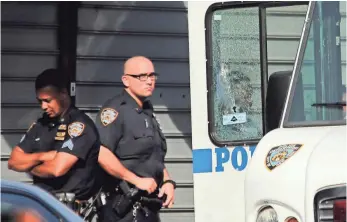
{"x": 6, "y": 191}
{"x": 262, "y": 6}
{"x": 285, "y": 123}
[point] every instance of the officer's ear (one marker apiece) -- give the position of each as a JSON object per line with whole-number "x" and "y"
{"x": 125, "y": 81}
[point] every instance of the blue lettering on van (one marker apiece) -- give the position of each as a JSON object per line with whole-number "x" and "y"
{"x": 237, "y": 157}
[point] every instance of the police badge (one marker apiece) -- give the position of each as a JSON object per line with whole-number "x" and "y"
{"x": 75, "y": 129}
{"x": 108, "y": 115}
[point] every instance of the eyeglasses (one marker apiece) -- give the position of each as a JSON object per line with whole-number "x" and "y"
{"x": 144, "y": 76}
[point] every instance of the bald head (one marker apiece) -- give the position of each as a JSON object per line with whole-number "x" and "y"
{"x": 137, "y": 65}
{"x": 139, "y": 76}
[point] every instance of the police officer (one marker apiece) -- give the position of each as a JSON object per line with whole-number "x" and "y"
{"x": 61, "y": 148}
{"x": 133, "y": 148}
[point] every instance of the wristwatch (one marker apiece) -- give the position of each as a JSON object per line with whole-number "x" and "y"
{"x": 170, "y": 181}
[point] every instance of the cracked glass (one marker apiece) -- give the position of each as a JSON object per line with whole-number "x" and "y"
{"x": 235, "y": 88}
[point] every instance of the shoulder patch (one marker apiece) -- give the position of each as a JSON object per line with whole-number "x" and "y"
{"x": 75, "y": 129}
{"x": 108, "y": 116}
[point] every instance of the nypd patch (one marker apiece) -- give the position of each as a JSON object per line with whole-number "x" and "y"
{"x": 108, "y": 116}
{"x": 279, "y": 154}
{"x": 75, "y": 129}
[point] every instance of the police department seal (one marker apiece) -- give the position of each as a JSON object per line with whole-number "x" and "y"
{"x": 108, "y": 116}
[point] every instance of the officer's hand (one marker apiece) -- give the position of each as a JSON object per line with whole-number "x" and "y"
{"x": 147, "y": 184}
{"x": 169, "y": 190}
{"x": 47, "y": 156}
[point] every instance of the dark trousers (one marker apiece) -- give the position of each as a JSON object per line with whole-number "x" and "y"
{"x": 107, "y": 214}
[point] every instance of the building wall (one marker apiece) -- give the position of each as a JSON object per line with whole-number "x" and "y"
{"x": 108, "y": 33}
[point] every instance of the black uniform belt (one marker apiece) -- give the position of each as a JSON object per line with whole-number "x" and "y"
{"x": 151, "y": 201}
{"x": 125, "y": 198}
{"x": 81, "y": 207}
{"x": 70, "y": 200}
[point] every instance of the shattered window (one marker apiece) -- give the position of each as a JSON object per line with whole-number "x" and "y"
{"x": 235, "y": 85}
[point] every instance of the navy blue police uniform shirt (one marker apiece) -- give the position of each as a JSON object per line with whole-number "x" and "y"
{"x": 134, "y": 135}
{"x": 76, "y": 134}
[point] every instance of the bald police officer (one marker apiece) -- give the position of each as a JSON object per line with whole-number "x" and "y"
{"x": 61, "y": 148}
{"x": 133, "y": 149}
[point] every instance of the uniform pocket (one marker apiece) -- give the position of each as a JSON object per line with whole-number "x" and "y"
{"x": 140, "y": 144}
{"x": 143, "y": 134}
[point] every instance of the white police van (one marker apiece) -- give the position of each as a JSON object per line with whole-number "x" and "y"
{"x": 260, "y": 153}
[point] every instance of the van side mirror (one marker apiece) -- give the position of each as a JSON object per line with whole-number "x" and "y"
{"x": 276, "y": 95}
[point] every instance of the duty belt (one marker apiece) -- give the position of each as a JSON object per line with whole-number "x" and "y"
{"x": 126, "y": 198}
{"x": 82, "y": 207}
